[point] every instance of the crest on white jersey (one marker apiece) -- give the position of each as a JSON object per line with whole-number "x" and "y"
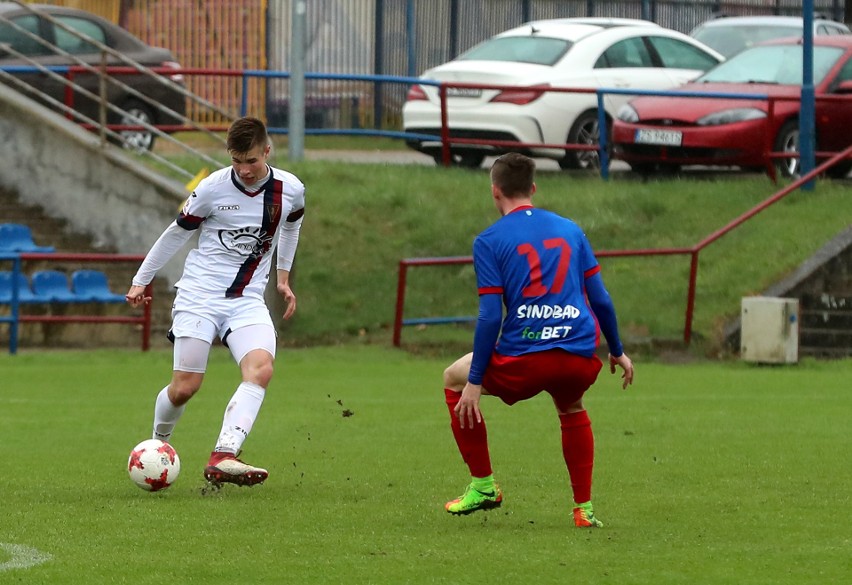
{"x": 244, "y": 241}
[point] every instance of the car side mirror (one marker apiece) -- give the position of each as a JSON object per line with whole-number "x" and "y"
{"x": 844, "y": 87}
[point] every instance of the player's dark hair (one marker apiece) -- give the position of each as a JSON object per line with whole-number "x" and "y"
{"x": 514, "y": 174}
{"x": 245, "y": 134}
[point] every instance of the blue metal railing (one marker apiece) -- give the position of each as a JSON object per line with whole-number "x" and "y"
{"x": 13, "y": 318}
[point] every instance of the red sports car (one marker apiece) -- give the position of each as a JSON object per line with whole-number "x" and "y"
{"x": 657, "y": 132}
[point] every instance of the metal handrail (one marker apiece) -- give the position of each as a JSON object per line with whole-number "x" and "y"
{"x": 121, "y": 57}
{"x": 141, "y": 69}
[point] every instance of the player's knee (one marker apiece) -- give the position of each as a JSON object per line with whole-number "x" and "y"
{"x": 449, "y": 379}
{"x": 180, "y": 391}
{"x": 453, "y": 379}
{"x": 256, "y": 366}
{"x": 258, "y": 371}
{"x": 567, "y": 403}
{"x": 455, "y": 376}
{"x": 263, "y": 374}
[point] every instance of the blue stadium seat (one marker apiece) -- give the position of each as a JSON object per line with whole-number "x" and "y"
{"x": 25, "y": 293}
{"x": 93, "y": 286}
{"x": 52, "y": 286}
{"x": 16, "y": 237}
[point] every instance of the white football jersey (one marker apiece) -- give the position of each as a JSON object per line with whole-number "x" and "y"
{"x": 239, "y": 232}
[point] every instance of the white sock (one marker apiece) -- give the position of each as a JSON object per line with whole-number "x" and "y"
{"x": 166, "y": 416}
{"x": 240, "y": 416}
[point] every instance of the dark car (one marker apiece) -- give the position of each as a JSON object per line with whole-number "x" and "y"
{"x": 665, "y": 132}
{"x": 731, "y": 34}
{"x": 112, "y": 36}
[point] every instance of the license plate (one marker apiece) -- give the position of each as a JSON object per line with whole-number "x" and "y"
{"x": 661, "y": 137}
{"x": 463, "y": 92}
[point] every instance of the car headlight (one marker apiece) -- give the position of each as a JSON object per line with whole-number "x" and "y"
{"x": 731, "y": 116}
{"x": 627, "y": 114}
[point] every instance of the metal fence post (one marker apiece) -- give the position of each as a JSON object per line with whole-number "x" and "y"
{"x": 297, "y": 82}
{"x": 379, "y": 66}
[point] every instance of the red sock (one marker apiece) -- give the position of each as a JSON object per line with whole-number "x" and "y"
{"x": 578, "y": 448}
{"x": 472, "y": 442}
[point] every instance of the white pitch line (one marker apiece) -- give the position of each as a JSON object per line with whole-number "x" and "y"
{"x": 23, "y": 557}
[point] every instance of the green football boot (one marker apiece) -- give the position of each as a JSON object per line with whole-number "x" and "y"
{"x": 584, "y": 516}
{"x": 474, "y": 499}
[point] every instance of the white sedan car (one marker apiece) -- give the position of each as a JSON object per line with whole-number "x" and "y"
{"x": 567, "y": 53}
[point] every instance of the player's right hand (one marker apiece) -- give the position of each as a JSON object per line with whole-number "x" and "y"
{"x": 136, "y": 296}
{"x": 467, "y": 410}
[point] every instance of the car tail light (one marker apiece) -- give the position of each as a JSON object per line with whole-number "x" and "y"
{"x": 176, "y": 77}
{"x": 416, "y": 93}
{"x": 521, "y": 96}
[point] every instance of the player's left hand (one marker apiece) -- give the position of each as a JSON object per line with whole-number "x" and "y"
{"x": 626, "y": 364}
{"x": 289, "y": 299}
{"x": 467, "y": 410}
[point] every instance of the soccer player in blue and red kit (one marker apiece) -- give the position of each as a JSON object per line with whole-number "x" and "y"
{"x": 542, "y": 268}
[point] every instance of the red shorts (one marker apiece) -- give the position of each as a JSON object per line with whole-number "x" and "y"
{"x": 563, "y": 375}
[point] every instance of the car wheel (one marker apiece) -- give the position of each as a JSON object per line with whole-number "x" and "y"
{"x": 467, "y": 160}
{"x": 647, "y": 168}
{"x": 643, "y": 168}
{"x": 839, "y": 170}
{"x": 584, "y": 131}
{"x": 138, "y": 140}
{"x": 787, "y": 141}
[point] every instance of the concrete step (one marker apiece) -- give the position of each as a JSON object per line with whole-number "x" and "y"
{"x": 826, "y": 318}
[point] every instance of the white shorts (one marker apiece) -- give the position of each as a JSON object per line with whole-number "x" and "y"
{"x": 206, "y": 318}
{"x": 191, "y": 353}
{"x": 243, "y": 325}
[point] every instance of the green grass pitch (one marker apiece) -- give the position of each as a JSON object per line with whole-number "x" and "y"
{"x": 705, "y": 473}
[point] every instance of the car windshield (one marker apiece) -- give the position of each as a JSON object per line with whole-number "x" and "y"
{"x": 777, "y": 64}
{"x": 730, "y": 40}
{"x": 537, "y": 50}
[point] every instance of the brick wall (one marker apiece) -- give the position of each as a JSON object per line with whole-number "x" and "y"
{"x": 214, "y": 34}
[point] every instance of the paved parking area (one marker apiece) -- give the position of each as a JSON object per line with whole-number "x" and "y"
{"x": 411, "y": 157}
{"x": 403, "y": 157}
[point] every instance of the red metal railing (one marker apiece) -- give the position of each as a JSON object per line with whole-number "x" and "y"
{"x": 692, "y": 251}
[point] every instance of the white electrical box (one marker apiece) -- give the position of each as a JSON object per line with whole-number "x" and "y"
{"x": 769, "y": 330}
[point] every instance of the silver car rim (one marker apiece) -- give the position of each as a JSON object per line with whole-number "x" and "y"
{"x": 588, "y": 134}
{"x": 138, "y": 140}
{"x": 790, "y": 166}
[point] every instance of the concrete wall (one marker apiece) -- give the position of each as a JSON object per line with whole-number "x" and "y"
{"x": 823, "y": 285}
{"x": 98, "y": 189}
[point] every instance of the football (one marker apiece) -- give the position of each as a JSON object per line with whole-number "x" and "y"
{"x": 153, "y": 465}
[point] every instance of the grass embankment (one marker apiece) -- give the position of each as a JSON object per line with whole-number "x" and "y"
{"x": 363, "y": 218}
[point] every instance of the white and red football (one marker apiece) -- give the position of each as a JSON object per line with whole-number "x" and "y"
{"x": 153, "y": 465}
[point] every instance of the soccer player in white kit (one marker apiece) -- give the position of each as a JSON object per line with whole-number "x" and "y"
{"x": 243, "y": 211}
